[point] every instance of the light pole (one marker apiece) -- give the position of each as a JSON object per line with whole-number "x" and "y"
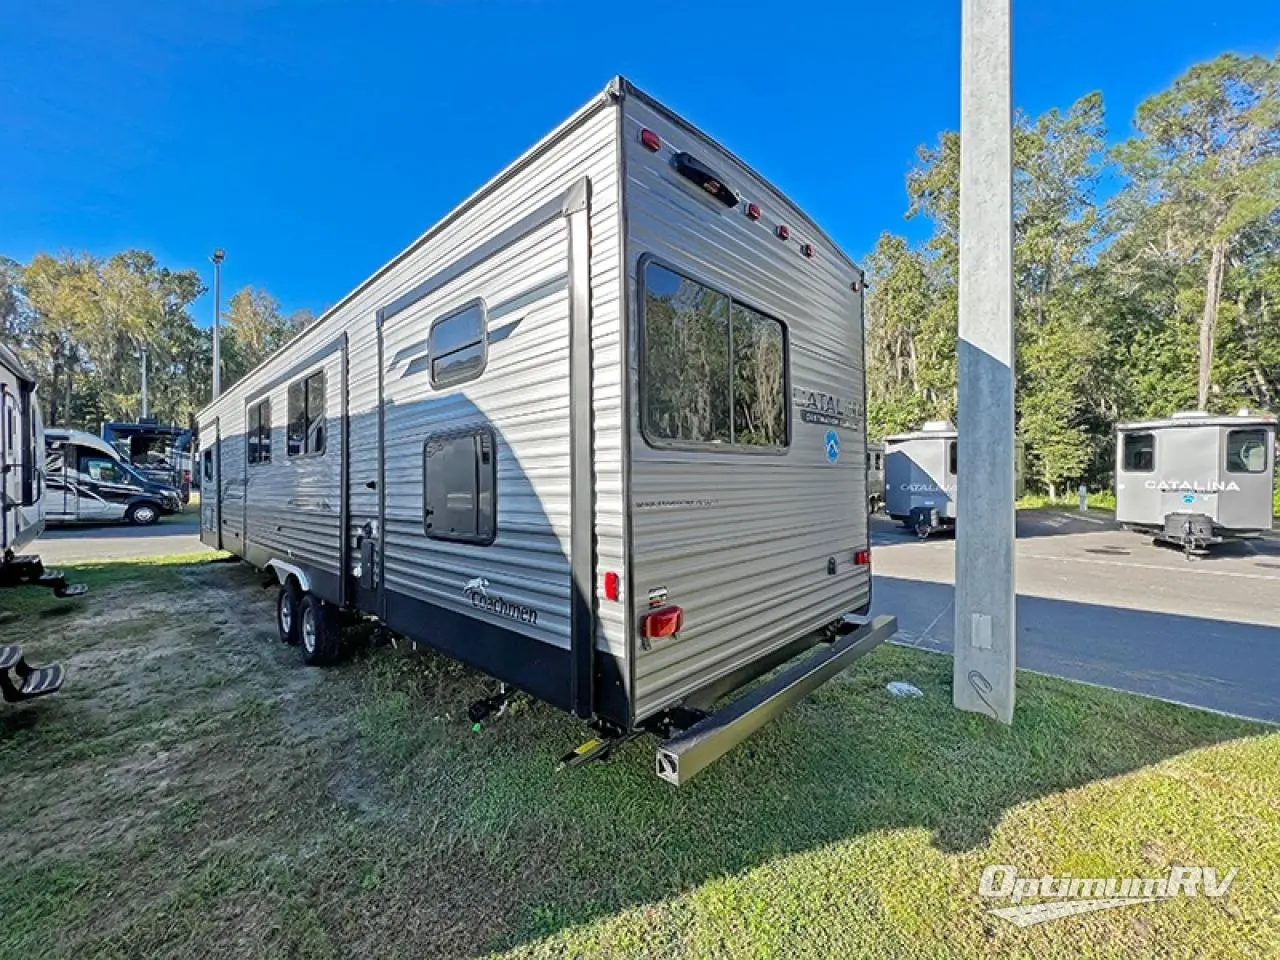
{"x": 146, "y": 407}
{"x": 985, "y": 630}
{"x": 217, "y": 319}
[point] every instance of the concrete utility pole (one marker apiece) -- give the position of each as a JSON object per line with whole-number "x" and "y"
{"x": 217, "y": 320}
{"x": 985, "y": 633}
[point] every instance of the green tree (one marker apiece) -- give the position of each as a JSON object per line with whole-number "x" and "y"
{"x": 253, "y": 329}
{"x": 1203, "y": 169}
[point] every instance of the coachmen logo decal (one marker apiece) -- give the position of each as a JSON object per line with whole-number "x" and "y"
{"x": 477, "y": 589}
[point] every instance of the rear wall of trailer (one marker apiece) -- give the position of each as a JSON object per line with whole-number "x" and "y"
{"x": 739, "y": 538}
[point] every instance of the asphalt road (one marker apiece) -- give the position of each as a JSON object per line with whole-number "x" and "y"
{"x": 1098, "y": 604}
{"x": 76, "y": 542}
{"x": 1095, "y": 603}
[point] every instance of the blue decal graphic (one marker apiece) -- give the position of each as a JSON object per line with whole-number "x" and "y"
{"x": 833, "y": 446}
{"x": 1188, "y": 498}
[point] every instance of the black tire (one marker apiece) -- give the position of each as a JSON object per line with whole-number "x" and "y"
{"x": 142, "y": 514}
{"x": 318, "y": 630}
{"x": 287, "y": 612}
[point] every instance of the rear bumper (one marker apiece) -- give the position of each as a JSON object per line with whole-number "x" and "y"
{"x": 683, "y": 756}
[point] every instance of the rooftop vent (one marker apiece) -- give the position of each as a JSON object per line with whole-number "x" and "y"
{"x": 938, "y": 426}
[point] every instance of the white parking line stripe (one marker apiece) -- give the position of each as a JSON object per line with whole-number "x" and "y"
{"x": 1189, "y": 568}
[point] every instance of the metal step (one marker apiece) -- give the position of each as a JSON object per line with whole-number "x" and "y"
{"x": 43, "y": 680}
{"x": 20, "y": 681}
{"x": 71, "y": 590}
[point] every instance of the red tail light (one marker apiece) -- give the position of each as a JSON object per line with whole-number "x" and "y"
{"x": 862, "y": 558}
{"x": 753, "y": 211}
{"x": 783, "y": 231}
{"x": 662, "y": 622}
{"x": 650, "y": 140}
{"x": 806, "y": 249}
{"x": 612, "y": 586}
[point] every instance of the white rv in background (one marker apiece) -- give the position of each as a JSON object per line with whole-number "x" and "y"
{"x": 920, "y": 474}
{"x": 599, "y": 433}
{"x": 1196, "y": 479}
{"x": 875, "y": 476}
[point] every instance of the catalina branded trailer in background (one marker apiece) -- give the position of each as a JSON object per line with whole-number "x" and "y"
{"x": 599, "y": 433}
{"x": 1196, "y": 479}
{"x": 920, "y": 477}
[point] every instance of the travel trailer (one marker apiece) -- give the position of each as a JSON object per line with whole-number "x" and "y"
{"x": 599, "y": 433}
{"x": 875, "y": 476}
{"x": 21, "y": 509}
{"x": 1196, "y": 479}
{"x": 88, "y": 480}
{"x": 920, "y": 477}
{"x": 20, "y": 452}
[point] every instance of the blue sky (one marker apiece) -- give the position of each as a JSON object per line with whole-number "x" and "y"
{"x": 313, "y": 140}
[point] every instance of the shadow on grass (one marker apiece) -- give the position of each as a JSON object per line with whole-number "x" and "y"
{"x": 851, "y": 760}
{"x": 355, "y": 811}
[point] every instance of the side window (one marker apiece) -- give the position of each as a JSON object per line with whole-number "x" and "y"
{"x": 1247, "y": 451}
{"x": 952, "y": 459}
{"x": 714, "y": 371}
{"x": 457, "y": 345}
{"x": 101, "y": 469}
{"x": 1139, "y": 452}
{"x": 258, "y": 432}
{"x": 207, "y": 457}
{"x": 306, "y": 416}
{"x": 460, "y": 474}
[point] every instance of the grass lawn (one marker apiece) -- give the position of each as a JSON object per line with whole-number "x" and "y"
{"x": 195, "y": 791}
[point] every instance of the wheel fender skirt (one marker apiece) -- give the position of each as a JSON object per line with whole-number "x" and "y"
{"x": 284, "y": 570}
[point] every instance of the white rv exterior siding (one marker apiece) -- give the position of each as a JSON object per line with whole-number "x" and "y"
{"x": 748, "y": 560}
{"x": 752, "y": 571}
{"x": 528, "y": 408}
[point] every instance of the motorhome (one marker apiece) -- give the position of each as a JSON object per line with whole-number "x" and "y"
{"x": 920, "y": 474}
{"x": 599, "y": 433}
{"x": 1196, "y": 479}
{"x": 87, "y": 479}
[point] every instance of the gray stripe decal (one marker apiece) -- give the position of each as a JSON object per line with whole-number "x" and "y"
{"x": 553, "y": 209}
